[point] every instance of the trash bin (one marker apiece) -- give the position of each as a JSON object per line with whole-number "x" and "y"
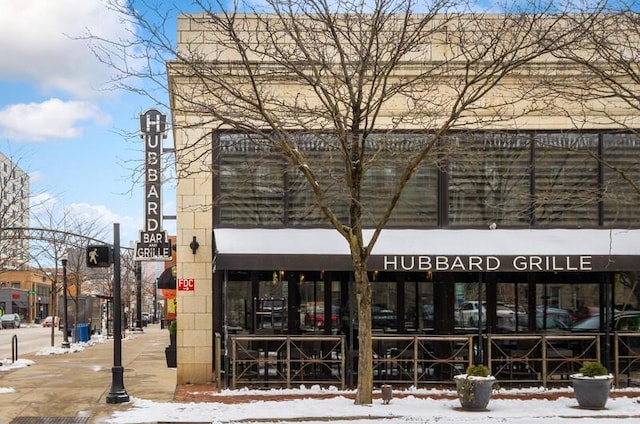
{"x": 38, "y": 320}
{"x": 83, "y": 332}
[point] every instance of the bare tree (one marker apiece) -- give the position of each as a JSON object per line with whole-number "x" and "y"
{"x": 350, "y": 77}
{"x": 606, "y": 86}
{"x": 63, "y": 235}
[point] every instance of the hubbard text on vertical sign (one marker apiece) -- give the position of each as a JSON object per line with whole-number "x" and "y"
{"x": 153, "y": 126}
{"x": 153, "y": 244}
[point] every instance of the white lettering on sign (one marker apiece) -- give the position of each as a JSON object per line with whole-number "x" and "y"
{"x": 153, "y": 247}
{"x": 153, "y": 237}
{"x": 153, "y": 252}
{"x": 488, "y": 263}
{"x": 153, "y": 126}
{"x": 186, "y": 284}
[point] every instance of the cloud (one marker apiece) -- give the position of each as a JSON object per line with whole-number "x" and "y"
{"x": 45, "y": 204}
{"x": 105, "y": 218}
{"x": 40, "y": 43}
{"x": 36, "y": 177}
{"x": 50, "y": 119}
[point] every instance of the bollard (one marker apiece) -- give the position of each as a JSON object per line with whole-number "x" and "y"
{"x": 14, "y": 348}
{"x": 387, "y": 394}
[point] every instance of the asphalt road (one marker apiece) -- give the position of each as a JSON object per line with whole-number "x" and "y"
{"x": 30, "y": 338}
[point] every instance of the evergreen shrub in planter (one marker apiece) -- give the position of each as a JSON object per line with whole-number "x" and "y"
{"x": 475, "y": 387}
{"x": 170, "y": 352}
{"x": 173, "y": 329}
{"x": 592, "y": 385}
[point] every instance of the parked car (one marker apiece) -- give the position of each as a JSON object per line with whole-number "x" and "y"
{"x": 622, "y": 321}
{"x": 562, "y": 316}
{"x": 315, "y": 318}
{"x": 10, "y": 321}
{"x": 382, "y": 317}
{"x": 428, "y": 317}
{"x": 585, "y": 312}
{"x": 51, "y": 321}
{"x": 467, "y": 315}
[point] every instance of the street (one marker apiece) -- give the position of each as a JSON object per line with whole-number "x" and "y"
{"x": 30, "y": 338}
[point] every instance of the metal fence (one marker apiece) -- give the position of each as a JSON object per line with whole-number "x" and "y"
{"x": 282, "y": 361}
{"x": 424, "y": 361}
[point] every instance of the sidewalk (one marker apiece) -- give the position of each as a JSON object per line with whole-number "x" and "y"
{"x": 73, "y": 388}
{"x": 76, "y": 384}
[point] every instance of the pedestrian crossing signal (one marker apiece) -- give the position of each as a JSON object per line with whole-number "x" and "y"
{"x": 98, "y": 256}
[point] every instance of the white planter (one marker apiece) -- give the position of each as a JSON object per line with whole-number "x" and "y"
{"x": 591, "y": 392}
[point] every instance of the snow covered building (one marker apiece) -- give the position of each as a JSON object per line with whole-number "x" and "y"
{"x": 514, "y": 206}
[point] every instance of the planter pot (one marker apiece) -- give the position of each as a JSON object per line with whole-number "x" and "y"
{"x": 591, "y": 392}
{"x": 172, "y": 339}
{"x": 171, "y": 355}
{"x": 474, "y": 393}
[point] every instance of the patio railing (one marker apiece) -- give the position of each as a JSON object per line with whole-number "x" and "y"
{"x": 423, "y": 360}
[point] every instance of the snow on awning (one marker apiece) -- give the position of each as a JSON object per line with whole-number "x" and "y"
{"x": 432, "y": 250}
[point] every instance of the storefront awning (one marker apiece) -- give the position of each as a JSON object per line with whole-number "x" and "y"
{"x": 432, "y": 250}
{"x": 22, "y": 304}
{"x": 167, "y": 279}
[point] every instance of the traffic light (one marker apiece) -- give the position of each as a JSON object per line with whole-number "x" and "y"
{"x": 98, "y": 256}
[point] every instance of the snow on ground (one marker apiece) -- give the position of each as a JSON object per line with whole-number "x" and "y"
{"x": 409, "y": 409}
{"x": 418, "y": 406}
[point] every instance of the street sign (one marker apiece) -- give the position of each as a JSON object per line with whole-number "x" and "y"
{"x": 153, "y": 246}
{"x": 186, "y": 284}
{"x": 98, "y": 256}
{"x": 32, "y": 292}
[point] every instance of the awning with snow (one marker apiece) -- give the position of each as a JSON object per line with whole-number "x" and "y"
{"x": 411, "y": 250}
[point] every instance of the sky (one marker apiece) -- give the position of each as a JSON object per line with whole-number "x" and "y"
{"x": 60, "y": 121}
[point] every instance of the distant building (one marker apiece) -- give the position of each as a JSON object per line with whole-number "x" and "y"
{"x": 14, "y": 215}
{"x": 26, "y": 293}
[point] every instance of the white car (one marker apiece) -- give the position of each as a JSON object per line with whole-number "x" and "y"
{"x": 10, "y": 321}
{"x": 467, "y": 315}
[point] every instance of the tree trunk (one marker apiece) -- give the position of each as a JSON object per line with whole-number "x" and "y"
{"x": 364, "y": 393}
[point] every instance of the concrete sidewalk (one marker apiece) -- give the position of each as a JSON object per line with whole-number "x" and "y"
{"x": 77, "y": 384}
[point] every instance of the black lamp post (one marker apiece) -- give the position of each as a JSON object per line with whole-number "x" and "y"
{"x": 118, "y": 393}
{"x": 65, "y": 316}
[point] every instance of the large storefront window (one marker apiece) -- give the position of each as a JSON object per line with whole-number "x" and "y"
{"x": 417, "y": 205}
{"x": 488, "y": 180}
{"x": 621, "y": 174}
{"x": 566, "y": 180}
{"x": 328, "y": 169}
{"x": 256, "y": 187}
{"x": 251, "y": 186}
{"x": 510, "y": 179}
{"x": 314, "y": 309}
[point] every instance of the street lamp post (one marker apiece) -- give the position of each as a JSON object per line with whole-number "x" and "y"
{"x": 138, "y": 274}
{"x": 65, "y": 316}
{"x": 118, "y": 393}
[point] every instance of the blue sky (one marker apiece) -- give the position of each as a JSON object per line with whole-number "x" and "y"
{"x": 60, "y": 121}
{"x": 61, "y": 124}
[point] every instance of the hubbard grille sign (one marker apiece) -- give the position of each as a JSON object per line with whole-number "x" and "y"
{"x": 528, "y": 263}
{"x": 154, "y": 244}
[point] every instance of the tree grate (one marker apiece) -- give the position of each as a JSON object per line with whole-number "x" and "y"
{"x": 50, "y": 420}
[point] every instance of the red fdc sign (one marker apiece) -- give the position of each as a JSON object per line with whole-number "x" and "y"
{"x": 186, "y": 284}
